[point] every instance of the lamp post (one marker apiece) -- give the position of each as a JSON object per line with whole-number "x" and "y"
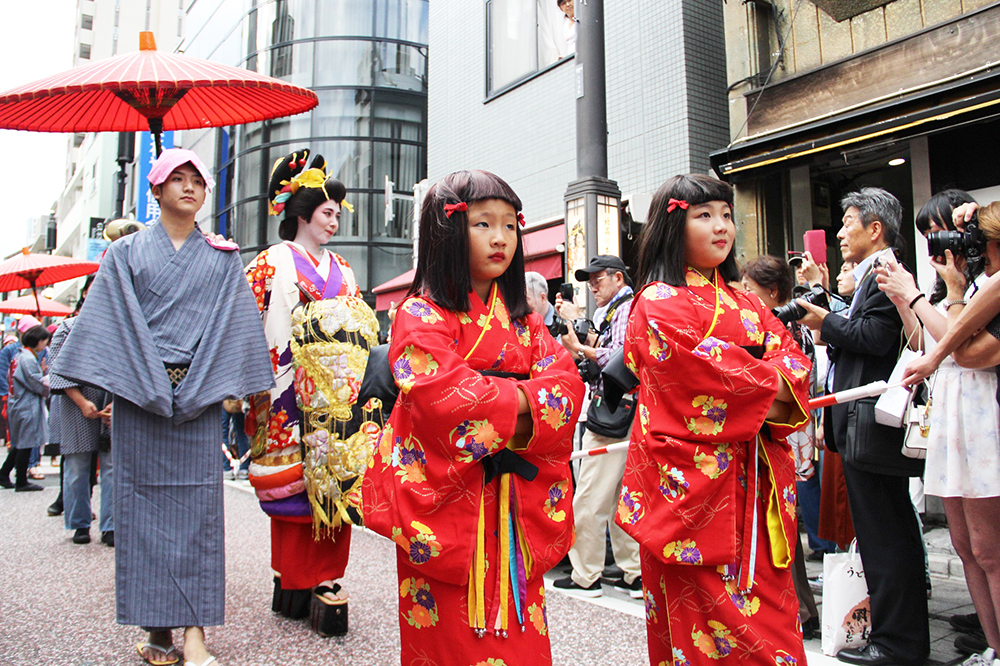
{"x": 592, "y": 200}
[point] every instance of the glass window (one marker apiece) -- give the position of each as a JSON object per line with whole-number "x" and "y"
{"x": 343, "y": 18}
{"x": 341, "y": 113}
{"x": 282, "y": 30}
{"x": 343, "y": 63}
{"x": 525, "y": 36}
{"x": 355, "y": 224}
{"x": 400, "y": 66}
{"x": 357, "y": 259}
{"x": 86, "y": 21}
{"x": 401, "y": 19}
{"x": 348, "y": 161}
{"x": 389, "y": 261}
{"x": 401, "y": 162}
{"x": 400, "y": 116}
{"x": 85, "y": 51}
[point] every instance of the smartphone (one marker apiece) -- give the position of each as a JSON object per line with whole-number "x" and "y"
{"x": 815, "y": 244}
{"x": 567, "y": 291}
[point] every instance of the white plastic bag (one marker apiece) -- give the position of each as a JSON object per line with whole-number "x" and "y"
{"x": 890, "y": 408}
{"x": 846, "y": 606}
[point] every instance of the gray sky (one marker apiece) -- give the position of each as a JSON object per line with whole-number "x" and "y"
{"x": 36, "y": 41}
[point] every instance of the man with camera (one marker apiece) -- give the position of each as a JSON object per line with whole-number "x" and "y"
{"x": 599, "y": 480}
{"x": 864, "y": 348}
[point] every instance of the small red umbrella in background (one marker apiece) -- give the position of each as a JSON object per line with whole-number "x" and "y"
{"x": 40, "y": 306}
{"x": 30, "y": 271}
{"x": 151, "y": 90}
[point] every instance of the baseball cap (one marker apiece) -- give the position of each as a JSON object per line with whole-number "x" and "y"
{"x": 602, "y": 262}
{"x": 172, "y": 158}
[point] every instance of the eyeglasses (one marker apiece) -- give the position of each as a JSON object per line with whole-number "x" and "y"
{"x": 595, "y": 283}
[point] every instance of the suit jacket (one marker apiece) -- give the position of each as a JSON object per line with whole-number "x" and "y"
{"x": 864, "y": 349}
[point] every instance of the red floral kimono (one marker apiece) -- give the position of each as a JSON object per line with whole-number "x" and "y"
{"x": 714, "y": 565}
{"x": 472, "y": 553}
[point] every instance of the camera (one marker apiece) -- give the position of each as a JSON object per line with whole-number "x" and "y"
{"x": 970, "y": 243}
{"x": 792, "y": 311}
{"x": 558, "y": 327}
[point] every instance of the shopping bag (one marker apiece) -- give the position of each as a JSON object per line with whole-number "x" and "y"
{"x": 846, "y": 606}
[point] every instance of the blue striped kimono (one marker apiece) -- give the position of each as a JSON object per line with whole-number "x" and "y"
{"x": 152, "y": 305}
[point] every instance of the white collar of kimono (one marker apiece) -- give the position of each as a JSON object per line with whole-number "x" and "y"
{"x": 325, "y": 259}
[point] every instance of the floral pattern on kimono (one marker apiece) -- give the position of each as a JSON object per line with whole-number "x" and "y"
{"x": 273, "y": 420}
{"x": 461, "y": 417}
{"x": 680, "y": 489}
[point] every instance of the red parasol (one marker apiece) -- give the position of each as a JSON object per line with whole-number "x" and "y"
{"x": 27, "y": 271}
{"x": 30, "y": 271}
{"x": 150, "y": 89}
{"x": 39, "y": 306}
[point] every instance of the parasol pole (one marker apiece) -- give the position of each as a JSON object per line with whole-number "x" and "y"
{"x": 155, "y": 128}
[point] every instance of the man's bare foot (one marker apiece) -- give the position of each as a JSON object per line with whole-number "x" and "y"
{"x": 164, "y": 652}
{"x": 339, "y": 595}
{"x": 194, "y": 646}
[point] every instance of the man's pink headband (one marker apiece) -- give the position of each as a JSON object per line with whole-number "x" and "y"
{"x": 172, "y": 158}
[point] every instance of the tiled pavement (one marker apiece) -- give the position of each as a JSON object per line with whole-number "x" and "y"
{"x": 57, "y": 601}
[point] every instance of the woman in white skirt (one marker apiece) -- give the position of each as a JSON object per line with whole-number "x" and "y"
{"x": 963, "y": 448}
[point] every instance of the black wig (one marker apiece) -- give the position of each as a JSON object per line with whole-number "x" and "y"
{"x": 442, "y": 272}
{"x": 661, "y": 245}
{"x": 304, "y": 202}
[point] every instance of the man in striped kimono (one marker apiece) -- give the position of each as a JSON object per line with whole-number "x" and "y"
{"x": 170, "y": 329}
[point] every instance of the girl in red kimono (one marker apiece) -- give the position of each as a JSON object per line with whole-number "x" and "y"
{"x": 709, "y": 484}
{"x": 470, "y": 477}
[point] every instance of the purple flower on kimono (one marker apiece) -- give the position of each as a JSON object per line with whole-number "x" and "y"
{"x": 401, "y": 368}
{"x": 690, "y": 555}
{"x": 476, "y": 449}
{"x": 411, "y": 456}
{"x": 420, "y": 552}
{"x": 497, "y": 363}
{"x": 722, "y": 645}
{"x": 554, "y": 401}
{"x": 425, "y": 599}
{"x": 722, "y": 457}
{"x": 543, "y": 363}
{"x": 418, "y": 309}
{"x": 519, "y": 328}
{"x": 555, "y": 494}
{"x": 462, "y": 428}
{"x": 717, "y": 414}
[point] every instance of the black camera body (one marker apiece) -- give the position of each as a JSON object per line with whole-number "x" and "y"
{"x": 792, "y": 311}
{"x": 970, "y": 243}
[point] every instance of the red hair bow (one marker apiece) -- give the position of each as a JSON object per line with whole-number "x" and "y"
{"x": 520, "y": 219}
{"x": 461, "y": 207}
{"x": 675, "y": 203}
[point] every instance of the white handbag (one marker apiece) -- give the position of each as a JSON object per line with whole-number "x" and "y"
{"x": 918, "y": 423}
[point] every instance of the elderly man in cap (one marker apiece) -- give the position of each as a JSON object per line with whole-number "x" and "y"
{"x": 194, "y": 338}
{"x": 599, "y": 480}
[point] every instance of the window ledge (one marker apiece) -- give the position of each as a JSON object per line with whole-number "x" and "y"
{"x": 530, "y": 77}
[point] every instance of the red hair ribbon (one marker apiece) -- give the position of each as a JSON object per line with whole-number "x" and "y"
{"x": 520, "y": 219}
{"x": 461, "y": 207}
{"x": 675, "y": 203}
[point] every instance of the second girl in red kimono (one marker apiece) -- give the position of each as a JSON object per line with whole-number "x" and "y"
{"x": 709, "y": 485}
{"x": 470, "y": 477}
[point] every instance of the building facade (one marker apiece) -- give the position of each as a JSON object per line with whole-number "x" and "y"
{"x": 367, "y": 62}
{"x": 503, "y": 98}
{"x": 827, "y": 96}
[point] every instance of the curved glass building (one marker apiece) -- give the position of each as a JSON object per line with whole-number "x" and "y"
{"x": 367, "y": 62}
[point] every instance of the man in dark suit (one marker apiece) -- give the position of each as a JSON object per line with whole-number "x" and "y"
{"x": 864, "y": 348}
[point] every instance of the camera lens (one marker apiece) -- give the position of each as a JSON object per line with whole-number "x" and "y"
{"x": 939, "y": 241}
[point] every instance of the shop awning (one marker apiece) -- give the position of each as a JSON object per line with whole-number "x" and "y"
{"x": 542, "y": 253}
